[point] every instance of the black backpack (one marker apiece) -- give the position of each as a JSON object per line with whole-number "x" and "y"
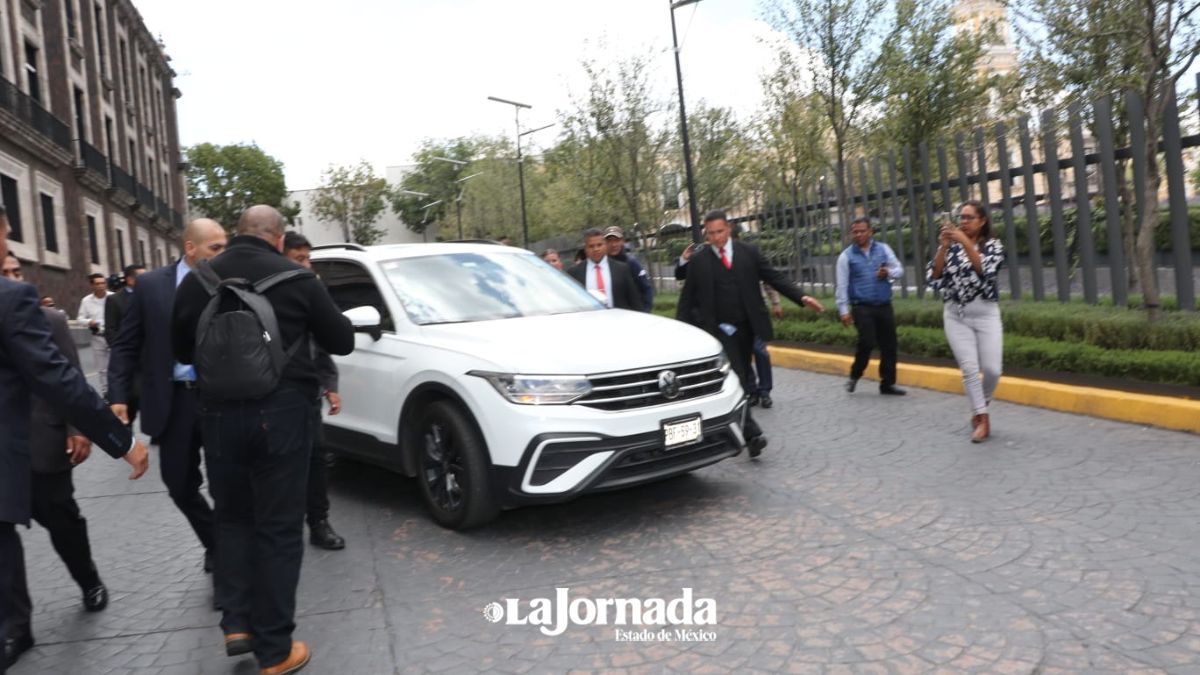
{"x": 239, "y": 352}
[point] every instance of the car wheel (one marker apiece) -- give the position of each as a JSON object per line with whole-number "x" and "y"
{"x": 454, "y": 468}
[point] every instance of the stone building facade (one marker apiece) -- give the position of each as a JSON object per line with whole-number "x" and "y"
{"x": 90, "y": 167}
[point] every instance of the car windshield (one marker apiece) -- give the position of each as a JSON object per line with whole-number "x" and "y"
{"x": 461, "y": 287}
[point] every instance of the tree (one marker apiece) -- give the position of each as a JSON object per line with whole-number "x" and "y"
{"x": 225, "y": 180}
{"x": 930, "y": 82}
{"x": 439, "y": 167}
{"x": 722, "y": 157}
{"x": 1145, "y": 47}
{"x": 354, "y": 197}
{"x": 614, "y": 134}
{"x": 841, "y": 38}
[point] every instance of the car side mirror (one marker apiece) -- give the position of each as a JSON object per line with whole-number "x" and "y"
{"x": 365, "y": 319}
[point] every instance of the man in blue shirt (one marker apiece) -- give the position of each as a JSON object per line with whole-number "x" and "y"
{"x": 865, "y": 272}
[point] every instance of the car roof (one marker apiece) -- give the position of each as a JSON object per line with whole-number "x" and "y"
{"x": 393, "y": 251}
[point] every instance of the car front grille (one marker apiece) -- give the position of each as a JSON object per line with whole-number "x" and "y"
{"x": 639, "y": 388}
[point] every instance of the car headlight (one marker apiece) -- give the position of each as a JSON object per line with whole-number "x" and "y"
{"x": 723, "y": 363}
{"x": 537, "y": 389}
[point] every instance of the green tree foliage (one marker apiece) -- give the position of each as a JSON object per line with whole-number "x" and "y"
{"x": 355, "y": 198}
{"x": 842, "y": 39}
{"x": 225, "y": 180}
{"x": 440, "y": 165}
{"x": 617, "y": 144}
{"x": 722, "y": 157}
{"x": 930, "y": 85}
{"x": 1145, "y": 47}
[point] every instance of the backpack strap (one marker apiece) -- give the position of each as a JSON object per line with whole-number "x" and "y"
{"x": 262, "y": 285}
{"x": 207, "y": 276}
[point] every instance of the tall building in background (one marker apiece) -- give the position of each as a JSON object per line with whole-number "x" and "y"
{"x": 989, "y": 18}
{"x": 90, "y": 168}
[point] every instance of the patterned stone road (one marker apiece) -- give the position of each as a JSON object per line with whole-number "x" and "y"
{"x": 870, "y": 538}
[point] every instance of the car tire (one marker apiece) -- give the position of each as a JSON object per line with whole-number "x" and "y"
{"x": 453, "y": 467}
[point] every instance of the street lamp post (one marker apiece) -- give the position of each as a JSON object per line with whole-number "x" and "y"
{"x": 520, "y": 164}
{"x": 693, "y": 210}
{"x": 458, "y": 201}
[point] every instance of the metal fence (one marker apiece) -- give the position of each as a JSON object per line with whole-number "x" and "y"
{"x": 1038, "y": 205}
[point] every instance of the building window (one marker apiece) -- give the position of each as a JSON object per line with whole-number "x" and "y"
{"x": 69, "y": 10}
{"x": 132, "y": 164}
{"x": 120, "y": 247}
{"x": 141, "y": 251}
{"x": 80, "y": 113}
{"x": 108, "y": 139}
{"x": 124, "y": 69}
{"x": 91, "y": 225}
{"x": 158, "y": 257}
{"x": 99, "y": 27}
{"x": 31, "y": 73}
{"x": 48, "y": 223}
{"x": 12, "y": 204}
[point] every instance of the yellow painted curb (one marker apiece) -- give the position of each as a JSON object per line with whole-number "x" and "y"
{"x": 1160, "y": 411}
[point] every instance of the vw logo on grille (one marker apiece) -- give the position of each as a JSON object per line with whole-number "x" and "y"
{"x": 668, "y": 384}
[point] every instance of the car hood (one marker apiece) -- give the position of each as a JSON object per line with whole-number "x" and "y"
{"x": 579, "y": 343}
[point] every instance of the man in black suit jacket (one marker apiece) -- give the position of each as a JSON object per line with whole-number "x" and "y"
{"x": 605, "y": 277}
{"x": 722, "y": 295}
{"x": 55, "y": 448}
{"x": 143, "y": 347}
{"x": 30, "y": 363}
{"x": 115, "y": 309}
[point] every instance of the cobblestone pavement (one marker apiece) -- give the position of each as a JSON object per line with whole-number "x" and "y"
{"x": 871, "y": 537}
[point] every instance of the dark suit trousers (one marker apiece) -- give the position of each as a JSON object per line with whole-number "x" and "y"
{"x": 876, "y": 326}
{"x": 179, "y": 461}
{"x": 738, "y": 347}
{"x": 258, "y": 453}
{"x": 318, "y": 474}
{"x": 12, "y": 563}
{"x": 54, "y": 508}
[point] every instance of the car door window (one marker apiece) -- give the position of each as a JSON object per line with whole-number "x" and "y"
{"x": 351, "y": 286}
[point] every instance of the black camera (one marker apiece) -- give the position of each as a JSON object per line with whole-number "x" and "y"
{"x": 115, "y": 283}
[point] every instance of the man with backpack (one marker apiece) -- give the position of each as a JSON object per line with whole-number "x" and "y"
{"x": 245, "y": 322}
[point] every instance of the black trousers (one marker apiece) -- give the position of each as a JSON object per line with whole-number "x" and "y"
{"x": 876, "y": 326}
{"x": 12, "y": 562}
{"x": 318, "y": 474}
{"x": 179, "y": 462}
{"x": 55, "y": 509}
{"x": 739, "y": 347}
{"x": 258, "y": 454}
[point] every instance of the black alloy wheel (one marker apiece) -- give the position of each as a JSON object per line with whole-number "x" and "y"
{"x": 454, "y": 466}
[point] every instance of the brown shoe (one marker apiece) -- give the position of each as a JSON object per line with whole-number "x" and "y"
{"x": 294, "y": 662}
{"x": 982, "y": 429}
{"x": 237, "y": 644}
{"x": 974, "y": 422}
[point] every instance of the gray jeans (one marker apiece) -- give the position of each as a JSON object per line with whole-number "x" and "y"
{"x": 977, "y": 339}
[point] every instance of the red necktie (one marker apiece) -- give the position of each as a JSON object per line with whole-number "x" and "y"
{"x": 724, "y": 260}
{"x": 599, "y": 279}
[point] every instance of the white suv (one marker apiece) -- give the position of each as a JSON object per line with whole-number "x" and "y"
{"x": 497, "y": 381}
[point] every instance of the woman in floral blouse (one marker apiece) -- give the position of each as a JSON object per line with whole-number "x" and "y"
{"x": 964, "y": 269}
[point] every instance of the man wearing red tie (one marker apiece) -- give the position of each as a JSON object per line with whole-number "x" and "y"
{"x": 722, "y": 296}
{"x": 609, "y": 280}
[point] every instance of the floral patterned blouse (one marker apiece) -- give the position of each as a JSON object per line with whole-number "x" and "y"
{"x": 960, "y": 282}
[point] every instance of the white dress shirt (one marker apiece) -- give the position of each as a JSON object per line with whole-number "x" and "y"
{"x": 91, "y": 309}
{"x": 589, "y": 281}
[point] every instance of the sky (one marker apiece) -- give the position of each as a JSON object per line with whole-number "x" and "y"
{"x": 320, "y": 83}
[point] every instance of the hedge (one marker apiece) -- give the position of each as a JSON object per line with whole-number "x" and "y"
{"x": 1070, "y": 338}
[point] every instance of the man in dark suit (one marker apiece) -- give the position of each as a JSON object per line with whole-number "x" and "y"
{"x": 30, "y": 363}
{"x": 115, "y": 309}
{"x": 722, "y": 295}
{"x": 55, "y": 448}
{"x": 258, "y": 450}
{"x": 608, "y": 279}
{"x": 143, "y": 347}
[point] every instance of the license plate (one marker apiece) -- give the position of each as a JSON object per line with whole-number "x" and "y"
{"x": 681, "y": 432}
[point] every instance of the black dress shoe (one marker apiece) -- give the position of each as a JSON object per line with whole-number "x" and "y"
{"x": 765, "y": 401}
{"x": 95, "y": 598}
{"x": 15, "y": 647}
{"x": 209, "y": 562}
{"x": 321, "y": 535}
{"x": 891, "y": 390}
{"x": 755, "y": 445}
{"x": 851, "y": 384}
{"x": 753, "y": 400}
